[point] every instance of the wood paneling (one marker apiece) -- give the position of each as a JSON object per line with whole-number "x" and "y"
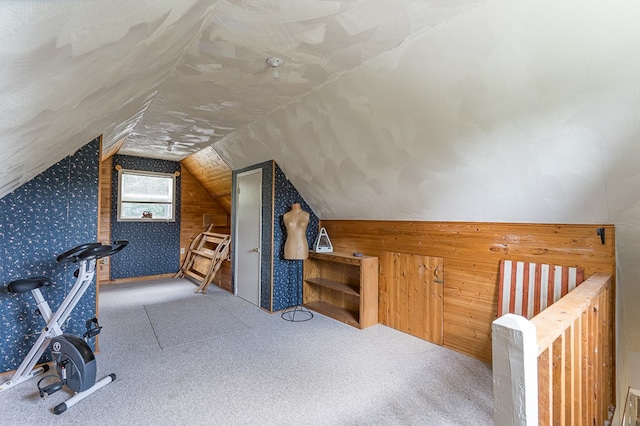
{"x": 196, "y": 202}
{"x": 471, "y": 253}
{"x": 212, "y": 173}
{"x": 223, "y": 279}
{"x": 411, "y": 298}
{"x": 104, "y": 217}
{"x": 138, "y": 279}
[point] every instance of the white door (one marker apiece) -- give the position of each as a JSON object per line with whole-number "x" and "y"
{"x": 248, "y": 232}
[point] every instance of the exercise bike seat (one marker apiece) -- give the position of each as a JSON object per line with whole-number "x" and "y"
{"x": 27, "y": 284}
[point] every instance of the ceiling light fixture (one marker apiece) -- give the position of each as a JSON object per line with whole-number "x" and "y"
{"x": 274, "y": 63}
{"x": 169, "y": 146}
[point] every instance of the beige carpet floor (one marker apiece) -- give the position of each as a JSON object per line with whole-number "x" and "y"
{"x": 190, "y": 359}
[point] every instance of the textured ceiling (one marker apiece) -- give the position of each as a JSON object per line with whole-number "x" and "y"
{"x": 493, "y": 110}
{"x": 189, "y": 71}
{"x": 73, "y": 70}
{"x": 222, "y": 82}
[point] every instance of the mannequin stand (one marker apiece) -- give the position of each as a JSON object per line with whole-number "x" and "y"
{"x": 297, "y": 312}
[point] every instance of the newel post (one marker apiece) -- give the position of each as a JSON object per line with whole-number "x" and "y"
{"x": 515, "y": 371}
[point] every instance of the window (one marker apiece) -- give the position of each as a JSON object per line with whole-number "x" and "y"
{"x": 146, "y": 196}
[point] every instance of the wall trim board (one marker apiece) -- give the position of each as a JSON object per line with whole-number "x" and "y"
{"x": 137, "y": 279}
{"x": 273, "y": 226}
{"x": 103, "y": 272}
{"x": 472, "y": 252}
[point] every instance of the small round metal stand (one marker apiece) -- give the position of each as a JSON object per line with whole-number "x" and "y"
{"x": 296, "y": 314}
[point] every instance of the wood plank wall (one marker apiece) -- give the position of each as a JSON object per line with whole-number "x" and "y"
{"x": 104, "y": 215}
{"x": 197, "y": 201}
{"x": 471, "y": 253}
{"x": 212, "y": 173}
{"x": 411, "y": 296}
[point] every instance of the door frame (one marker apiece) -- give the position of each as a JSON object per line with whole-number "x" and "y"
{"x": 237, "y": 239}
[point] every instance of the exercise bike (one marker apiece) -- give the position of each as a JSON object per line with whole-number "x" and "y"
{"x": 73, "y": 358}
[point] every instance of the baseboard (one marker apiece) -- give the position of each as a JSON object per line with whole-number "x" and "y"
{"x": 136, "y": 279}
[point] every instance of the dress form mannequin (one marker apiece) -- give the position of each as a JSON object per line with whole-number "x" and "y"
{"x": 296, "y": 221}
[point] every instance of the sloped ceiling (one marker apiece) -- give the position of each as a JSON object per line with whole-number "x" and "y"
{"x": 512, "y": 111}
{"x": 72, "y": 70}
{"x": 494, "y": 110}
{"x": 223, "y": 82}
{"x": 213, "y": 174}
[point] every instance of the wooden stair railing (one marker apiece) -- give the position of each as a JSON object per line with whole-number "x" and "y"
{"x": 558, "y": 368}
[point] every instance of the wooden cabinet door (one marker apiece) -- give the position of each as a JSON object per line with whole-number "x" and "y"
{"x": 411, "y": 294}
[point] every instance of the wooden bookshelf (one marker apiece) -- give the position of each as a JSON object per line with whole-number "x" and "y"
{"x": 343, "y": 287}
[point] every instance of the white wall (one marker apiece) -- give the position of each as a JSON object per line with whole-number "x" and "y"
{"x": 522, "y": 111}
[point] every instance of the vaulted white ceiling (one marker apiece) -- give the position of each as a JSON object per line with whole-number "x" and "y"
{"x": 190, "y": 71}
{"x": 487, "y": 110}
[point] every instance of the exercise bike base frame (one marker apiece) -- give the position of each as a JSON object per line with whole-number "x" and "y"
{"x": 61, "y": 408}
{"x": 86, "y": 255}
{"x": 33, "y": 373}
{"x": 53, "y": 327}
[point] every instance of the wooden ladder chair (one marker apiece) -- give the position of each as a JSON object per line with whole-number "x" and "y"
{"x": 206, "y": 253}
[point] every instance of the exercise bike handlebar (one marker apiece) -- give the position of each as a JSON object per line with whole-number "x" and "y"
{"x": 72, "y": 255}
{"x": 91, "y": 251}
{"x": 117, "y": 246}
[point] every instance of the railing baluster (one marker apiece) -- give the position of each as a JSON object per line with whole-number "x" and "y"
{"x": 565, "y": 370}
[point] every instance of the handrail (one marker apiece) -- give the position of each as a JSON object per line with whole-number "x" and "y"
{"x": 554, "y": 320}
{"x": 557, "y": 368}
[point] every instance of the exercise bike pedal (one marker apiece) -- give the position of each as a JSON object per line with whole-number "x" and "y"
{"x": 93, "y": 328}
{"x": 51, "y": 388}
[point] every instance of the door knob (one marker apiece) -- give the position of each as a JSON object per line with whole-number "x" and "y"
{"x": 254, "y": 250}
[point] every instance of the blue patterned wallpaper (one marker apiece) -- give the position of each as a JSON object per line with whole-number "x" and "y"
{"x": 52, "y": 213}
{"x": 154, "y": 247}
{"x": 287, "y": 274}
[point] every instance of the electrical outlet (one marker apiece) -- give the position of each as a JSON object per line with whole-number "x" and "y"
{"x": 181, "y": 250}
